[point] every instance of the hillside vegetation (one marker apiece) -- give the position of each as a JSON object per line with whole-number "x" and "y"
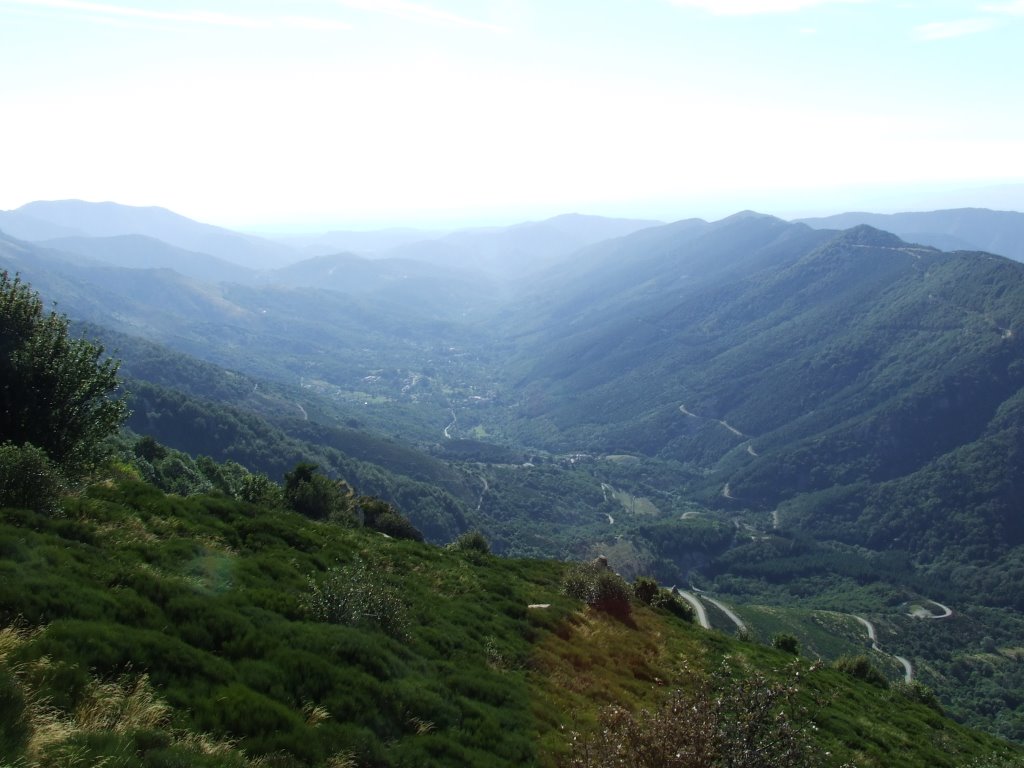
{"x": 155, "y": 630}
{"x": 796, "y": 420}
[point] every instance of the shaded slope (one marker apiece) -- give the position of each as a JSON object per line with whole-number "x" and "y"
{"x": 841, "y": 358}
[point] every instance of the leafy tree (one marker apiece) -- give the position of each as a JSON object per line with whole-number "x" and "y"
{"x": 28, "y": 478}
{"x": 259, "y": 489}
{"x": 54, "y": 390}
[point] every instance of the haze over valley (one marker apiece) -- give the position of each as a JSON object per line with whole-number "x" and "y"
{"x": 505, "y": 383}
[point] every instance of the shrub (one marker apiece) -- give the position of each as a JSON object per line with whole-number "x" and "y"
{"x": 311, "y": 494}
{"x": 260, "y": 490}
{"x": 860, "y": 666}
{"x": 671, "y": 603}
{"x": 28, "y": 479}
{"x": 599, "y": 587}
{"x": 728, "y": 721}
{"x": 355, "y": 596}
{"x": 787, "y": 643}
{"x": 645, "y": 589}
{"x": 917, "y": 692}
{"x": 472, "y": 541}
{"x": 381, "y": 516}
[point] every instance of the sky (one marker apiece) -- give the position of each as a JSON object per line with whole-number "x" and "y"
{"x": 317, "y": 114}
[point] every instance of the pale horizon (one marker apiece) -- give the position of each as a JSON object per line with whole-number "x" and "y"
{"x": 366, "y": 114}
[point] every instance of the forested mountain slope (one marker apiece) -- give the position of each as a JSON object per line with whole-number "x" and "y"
{"x": 974, "y": 229}
{"x": 784, "y": 361}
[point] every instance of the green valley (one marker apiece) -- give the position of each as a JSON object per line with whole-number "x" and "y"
{"x": 809, "y": 432}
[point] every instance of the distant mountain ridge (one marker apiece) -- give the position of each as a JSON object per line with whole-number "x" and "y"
{"x": 977, "y": 229}
{"x": 70, "y": 218}
{"x": 144, "y": 252}
{"x": 522, "y": 248}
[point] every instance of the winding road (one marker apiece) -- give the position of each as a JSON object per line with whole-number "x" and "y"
{"x": 698, "y": 607}
{"x": 908, "y": 669}
{"x": 946, "y": 612}
{"x": 728, "y": 612}
{"x": 454, "y": 421}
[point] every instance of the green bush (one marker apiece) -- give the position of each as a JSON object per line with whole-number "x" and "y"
{"x": 472, "y": 541}
{"x": 28, "y": 479}
{"x": 860, "y": 666}
{"x": 671, "y": 603}
{"x": 645, "y": 589}
{"x": 917, "y": 692}
{"x": 787, "y": 643}
{"x": 314, "y": 495}
{"x": 356, "y": 596}
{"x": 599, "y": 587}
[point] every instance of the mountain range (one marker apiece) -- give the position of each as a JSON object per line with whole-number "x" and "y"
{"x": 785, "y": 410}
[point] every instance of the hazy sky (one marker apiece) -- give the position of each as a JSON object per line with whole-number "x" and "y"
{"x": 307, "y": 113}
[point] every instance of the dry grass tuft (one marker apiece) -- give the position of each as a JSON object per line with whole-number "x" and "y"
{"x": 124, "y": 705}
{"x": 315, "y": 714}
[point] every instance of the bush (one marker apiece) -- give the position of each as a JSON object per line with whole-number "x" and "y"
{"x": 311, "y": 494}
{"x": 860, "y": 666}
{"x": 787, "y": 643}
{"x": 472, "y": 541}
{"x": 599, "y": 587}
{"x": 260, "y": 490}
{"x": 727, "y": 721}
{"x": 355, "y": 596}
{"x": 28, "y": 479}
{"x": 671, "y": 603}
{"x": 645, "y": 589}
{"x": 378, "y": 515}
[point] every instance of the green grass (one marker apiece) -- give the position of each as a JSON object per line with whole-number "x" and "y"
{"x": 206, "y": 598}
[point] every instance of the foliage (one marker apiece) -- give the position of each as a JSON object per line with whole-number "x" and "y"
{"x": 599, "y": 587}
{"x": 752, "y": 722}
{"x": 312, "y": 494}
{"x": 56, "y": 390}
{"x": 645, "y": 589}
{"x": 917, "y": 692}
{"x": 472, "y": 541}
{"x": 353, "y": 595}
{"x": 384, "y": 518}
{"x": 28, "y": 478}
{"x": 861, "y": 667}
{"x": 787, "y": 643}
{"x": 209, "y": 597}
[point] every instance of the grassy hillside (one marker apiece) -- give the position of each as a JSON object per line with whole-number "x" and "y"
{"x": 156, "y": 630}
